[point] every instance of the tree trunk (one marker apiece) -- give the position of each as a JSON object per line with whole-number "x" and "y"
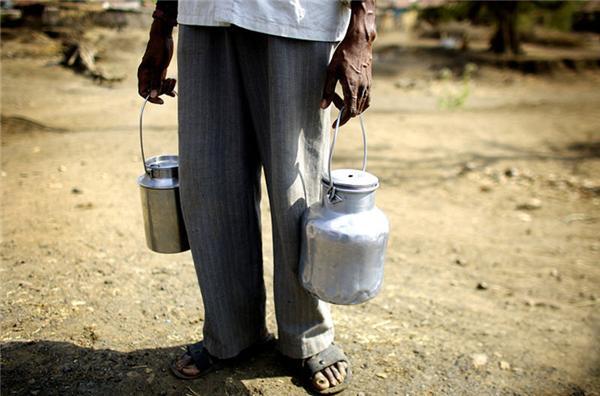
{"x": 507, "y": 35}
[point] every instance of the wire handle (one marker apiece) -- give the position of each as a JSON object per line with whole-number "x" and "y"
{"x": 331, "y": 191}
{"x": 146, "y": 169}
{"x": 142, "y": 134}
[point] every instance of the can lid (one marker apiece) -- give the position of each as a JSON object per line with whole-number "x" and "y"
{"x": 163, "y": 167}
{"x": 353, "y": 180}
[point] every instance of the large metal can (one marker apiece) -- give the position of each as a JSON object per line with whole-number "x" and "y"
{"x": 344, "y": 237}
{"x": 161, "y": 206}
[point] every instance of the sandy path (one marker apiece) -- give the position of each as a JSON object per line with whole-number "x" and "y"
{"x": 87, "y": 309}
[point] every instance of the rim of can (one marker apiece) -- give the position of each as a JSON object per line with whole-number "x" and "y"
{"x": 352, "y": 180}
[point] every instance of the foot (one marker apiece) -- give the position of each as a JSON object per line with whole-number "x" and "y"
{"x": 329, "y": 371}
{"x": 197, "y": 361}
{"x": 330, "y": 376}
{"x": 186, "y": 366}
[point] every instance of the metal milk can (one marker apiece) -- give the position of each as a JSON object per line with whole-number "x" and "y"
{"x": 159, "y": 187}
{"x": 344, "y": 237}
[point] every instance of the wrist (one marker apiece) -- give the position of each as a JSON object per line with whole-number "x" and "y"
{"x": 161, "y": 28}
{"x": 362, "y": 21}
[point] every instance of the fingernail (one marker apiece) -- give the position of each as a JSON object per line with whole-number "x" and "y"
{"x": 323, "y": 104}
{"x": 153, "y": 93}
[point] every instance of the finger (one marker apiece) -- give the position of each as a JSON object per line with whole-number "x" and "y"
{"x": 339, "y": 103}
{"x": 362, "y": 94}
{"x": 367, "y": 103}
{"x": 350, "y": 100}
{"x": 156, "y": 100}
{"x": 328, "y": 89}
{"x": 330, "y": 377}
{"x": 143, "y": 81}
{"x": 169, "y": 86}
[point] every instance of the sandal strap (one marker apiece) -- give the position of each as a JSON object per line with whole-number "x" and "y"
{"x": 200, "y": 356}
{"x": 330, "y": 356}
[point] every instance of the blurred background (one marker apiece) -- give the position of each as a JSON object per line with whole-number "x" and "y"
{"x": 484, "y": 130}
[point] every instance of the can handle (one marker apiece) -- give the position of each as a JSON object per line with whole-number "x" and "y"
{"x": 146, "y": 170}
{"x": 331, "y": 190}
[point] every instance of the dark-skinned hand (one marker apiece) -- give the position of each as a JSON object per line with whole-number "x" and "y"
{"x": 152, "y": 71}
{"x": 351, "y": 64}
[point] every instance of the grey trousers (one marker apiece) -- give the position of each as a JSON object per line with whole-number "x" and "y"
{"x": 248, "y": 100}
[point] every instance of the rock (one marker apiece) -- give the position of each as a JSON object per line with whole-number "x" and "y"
{"x": 504, "y": 365}
{"x": 526, "y": 217}
{"x": 511, "y": 172}
{"x": 482, "y": 286}
{"x": 381, "y": 375}
{"x": 532, "y": 204}
{"x": 76, "y": 190}
{"x": 62, "y": 168}
{"x": 479, "y": 359}
{"x": 361, "y": 394}
{"x": 461, "y": 262}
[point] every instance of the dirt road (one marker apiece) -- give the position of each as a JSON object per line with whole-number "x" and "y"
{"x": 491, "y": 284}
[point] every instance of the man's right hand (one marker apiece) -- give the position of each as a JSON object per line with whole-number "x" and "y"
{"x": 153, "y": 68}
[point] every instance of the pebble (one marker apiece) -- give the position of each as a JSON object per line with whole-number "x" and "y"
{"x": 526, "y": 217}
{"x": 532, "y": 204}
{"x": 479, "y": 359}
{"x": 76, "y": 190}
{"x": 62, "y": 168}
{"x": 460, "y": 262}
{"x": 504, "y": 365}
{"x": 511, "y": 172}
{"x": 381, "y": 375}
{"x": 482, "y": 286}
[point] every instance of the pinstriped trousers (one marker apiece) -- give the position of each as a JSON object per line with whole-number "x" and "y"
{"x": 249, "y": 100}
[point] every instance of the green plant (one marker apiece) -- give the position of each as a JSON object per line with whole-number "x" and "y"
{"x": 452, "y": 99}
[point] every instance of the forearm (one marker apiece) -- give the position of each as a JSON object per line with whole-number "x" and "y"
{"x": 362, "y": 21}
{"x": 165, "y": 17}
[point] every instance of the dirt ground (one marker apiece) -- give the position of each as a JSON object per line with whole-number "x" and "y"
{"x": 492, "y": 277}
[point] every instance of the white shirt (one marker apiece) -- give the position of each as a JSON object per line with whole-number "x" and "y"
{"x": 317, "y": 20}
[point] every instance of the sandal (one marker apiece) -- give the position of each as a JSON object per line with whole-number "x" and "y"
{"x": 207, "y": 363}
{"x": 317, "y": 363}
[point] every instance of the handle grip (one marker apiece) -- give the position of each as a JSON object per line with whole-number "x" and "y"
{"x": 337, "y": 128}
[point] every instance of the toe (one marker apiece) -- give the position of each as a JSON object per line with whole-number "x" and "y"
{"x": 330, "y": 377}
{"x": 183, "y": 361}
{"x": 341, "y": 366}
{"x": 336, "y": 374}
{"x": 320, "y": 382}
{"x": 190, "y": 370}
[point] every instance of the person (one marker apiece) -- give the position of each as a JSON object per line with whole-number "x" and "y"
{"x": 256, "y": 81}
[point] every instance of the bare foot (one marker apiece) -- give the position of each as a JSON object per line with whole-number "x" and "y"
{"x": 330, "y": 376}
{"x": 186, "y": 366}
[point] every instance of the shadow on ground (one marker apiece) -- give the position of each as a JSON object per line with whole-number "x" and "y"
{"x": 62, "y": 368}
